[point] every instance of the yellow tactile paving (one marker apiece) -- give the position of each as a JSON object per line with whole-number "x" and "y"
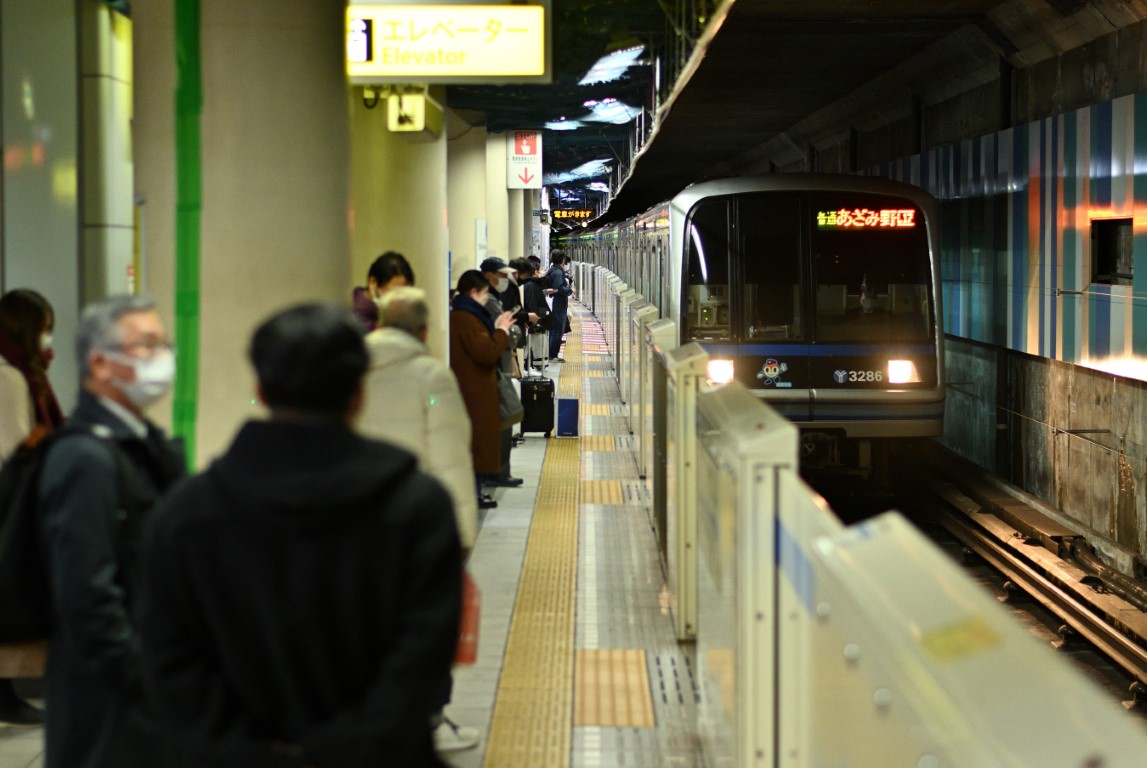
{"x": 533, "y": 709}
{"x": 596, "y": 409}
{"x": 611, "y": 688}
{"x": 601, "y": 492}
{"x": 598, "y": 442}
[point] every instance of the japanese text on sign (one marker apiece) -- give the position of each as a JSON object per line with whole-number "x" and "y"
{"x": 579, "y": 214}
{"x": 865, "y": 218}
{"x": 453, "y": 42}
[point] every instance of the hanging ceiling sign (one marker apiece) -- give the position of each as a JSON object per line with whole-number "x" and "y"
{"x": 447, "y": 43}
{"x": 572, "y": 214}
{"x": 523, "y": 160}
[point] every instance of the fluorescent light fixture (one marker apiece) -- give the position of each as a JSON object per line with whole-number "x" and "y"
{"x": 609, "y": 111}
{"x": 720, "y": 371}
{"x": 584, "y": 171}
{"x": 597, "y": 186}
{"x": 564, "y": 125}
{"x": 902, "y": 372}
{"x": 612, "y": 65}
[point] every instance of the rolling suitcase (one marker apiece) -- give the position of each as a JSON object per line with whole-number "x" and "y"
{"x": 538, "y": 403}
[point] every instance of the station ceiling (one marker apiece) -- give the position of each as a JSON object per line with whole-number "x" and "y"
{"x": 766, "y": 67}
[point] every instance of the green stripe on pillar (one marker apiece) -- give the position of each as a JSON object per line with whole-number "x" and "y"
{"x": 188, "y": 204}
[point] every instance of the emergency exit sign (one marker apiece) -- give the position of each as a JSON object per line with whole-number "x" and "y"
{"x": 447, "y": 43}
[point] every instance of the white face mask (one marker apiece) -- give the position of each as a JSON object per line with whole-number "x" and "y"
{"x": 503, "y": 283}
{"x": 153, "y": 377}
{"x": 45, "y": 342}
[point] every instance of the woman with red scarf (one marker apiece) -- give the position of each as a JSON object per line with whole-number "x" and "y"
{"x": 28, "y": 411}
{"x": 28, "y": 405}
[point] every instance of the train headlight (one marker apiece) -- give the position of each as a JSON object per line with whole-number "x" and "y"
{"x": 902, "y": 372}
{"x": 720, "y": 371}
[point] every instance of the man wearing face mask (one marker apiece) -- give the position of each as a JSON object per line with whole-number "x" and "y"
{"x": 96, "y": 492}
{"x": 500, "y": 283}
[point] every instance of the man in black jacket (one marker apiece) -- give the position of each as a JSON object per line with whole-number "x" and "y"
{"x": 559, "y": 289}
{"x": 302, "y": 595}
{"x": 96, "y": 492}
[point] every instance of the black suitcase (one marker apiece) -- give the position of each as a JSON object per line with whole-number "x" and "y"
{"x": 538, "y": 402}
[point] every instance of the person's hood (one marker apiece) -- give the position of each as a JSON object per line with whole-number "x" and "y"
{"x": 391, "y": 346}
{"x": 307, "y": 474}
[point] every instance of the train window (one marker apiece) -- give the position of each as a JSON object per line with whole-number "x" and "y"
{"x": 706, "y": 289}
{"x": 1111, "y": 251}
{"x": 769, "y": 225}
{"x": 871, "y": 268}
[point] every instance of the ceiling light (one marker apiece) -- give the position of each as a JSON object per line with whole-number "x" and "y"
{"x": 612, "y": 66}
{"x": 611, "y": 111}
{"x": 564, "y": 125}
{"x": 597, "y": 186}
{"x": 584, "y": 171}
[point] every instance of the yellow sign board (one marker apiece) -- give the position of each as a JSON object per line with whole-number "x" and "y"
{"x": 446, "y": 43}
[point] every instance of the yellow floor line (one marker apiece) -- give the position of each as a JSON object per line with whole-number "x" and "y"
{"x": 611, "y": 688}
{"x": 533, "y": 710}
{"x": 601, "y": 492}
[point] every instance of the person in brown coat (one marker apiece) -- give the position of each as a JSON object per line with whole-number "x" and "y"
{"x": 476, "y": 345}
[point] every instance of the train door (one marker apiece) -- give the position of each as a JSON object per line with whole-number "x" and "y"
{"x": 770, "y": 299}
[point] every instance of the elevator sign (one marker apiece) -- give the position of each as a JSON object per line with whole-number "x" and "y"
{"x": 446, "y": 43}
{"x": 523, "y": 160}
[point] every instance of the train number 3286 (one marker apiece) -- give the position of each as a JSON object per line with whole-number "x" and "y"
{"x": 842, "y": 376}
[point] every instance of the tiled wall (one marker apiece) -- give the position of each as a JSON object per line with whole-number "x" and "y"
{"x": 1017, "y": 207}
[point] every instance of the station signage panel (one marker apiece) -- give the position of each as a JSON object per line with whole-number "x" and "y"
{"x": 572, "y": 214}
{"x": 523, "y": 160}
{"x": 447, "y": 43}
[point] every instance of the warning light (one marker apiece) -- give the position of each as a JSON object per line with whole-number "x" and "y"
{"x": 866, "y": 218}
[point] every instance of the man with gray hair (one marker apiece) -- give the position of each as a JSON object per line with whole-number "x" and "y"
{"x": 96, "y": 490}
{"x": 412, "y": 399}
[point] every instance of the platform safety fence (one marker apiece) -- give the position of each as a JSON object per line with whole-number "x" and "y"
{"x": 819, "y": 644}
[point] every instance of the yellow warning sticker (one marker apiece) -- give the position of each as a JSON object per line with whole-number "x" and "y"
{"x": 963, "y": 638}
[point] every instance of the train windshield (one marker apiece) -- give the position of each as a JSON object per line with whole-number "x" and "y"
{"x": 871, "y": 268}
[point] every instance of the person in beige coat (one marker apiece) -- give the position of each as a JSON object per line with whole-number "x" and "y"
{"x": 413, "y": 401}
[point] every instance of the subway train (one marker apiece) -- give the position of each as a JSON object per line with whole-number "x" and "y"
{"x": 819, "y": 292}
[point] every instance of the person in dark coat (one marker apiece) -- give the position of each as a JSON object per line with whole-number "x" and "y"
{"x": 476, "y": 344}
{"x": 559, "y": 289}
{"x": 538, "y": 311}
{"x": 503, "y": 297}
{"x": 390, "y": 270}
{"x": 96, "y": 493}
{"x": 302, "y": 594}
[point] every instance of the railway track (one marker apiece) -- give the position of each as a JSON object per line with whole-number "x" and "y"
{"x": 1043, "y": 564}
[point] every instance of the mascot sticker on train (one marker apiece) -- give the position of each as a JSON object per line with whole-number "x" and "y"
{"x": 771, "y": 371}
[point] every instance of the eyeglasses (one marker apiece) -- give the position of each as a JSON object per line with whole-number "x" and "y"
{"x": 149, "y": 348}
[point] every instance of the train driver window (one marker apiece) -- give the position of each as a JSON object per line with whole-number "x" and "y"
{"x": 706, "y": 289}
{"x": 872, "y": 268}
{"x": 770, "y": 242}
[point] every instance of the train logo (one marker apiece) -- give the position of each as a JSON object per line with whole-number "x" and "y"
{"x": 840, "y": 376}
{"x": 771, "y": 370}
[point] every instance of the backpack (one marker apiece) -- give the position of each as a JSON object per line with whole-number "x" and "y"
{"x": 25, "y": 588}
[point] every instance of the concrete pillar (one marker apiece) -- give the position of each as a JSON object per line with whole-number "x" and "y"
{"x": 40, "y": 246}
{"x": 519, "y": 217}
{"x": 497, "y": 197}
{"x": 398, "y": 196}
{"x": 466, "y": 182}
{"x": 274, "y": 158}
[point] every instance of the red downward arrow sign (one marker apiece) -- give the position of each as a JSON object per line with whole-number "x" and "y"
{"x": 525, "y": 176}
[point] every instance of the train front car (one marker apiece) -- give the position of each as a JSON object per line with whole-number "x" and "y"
{"x": 821, "y": 294}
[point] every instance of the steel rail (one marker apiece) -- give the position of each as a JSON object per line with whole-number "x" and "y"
{"x": 1122, "y": 650}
